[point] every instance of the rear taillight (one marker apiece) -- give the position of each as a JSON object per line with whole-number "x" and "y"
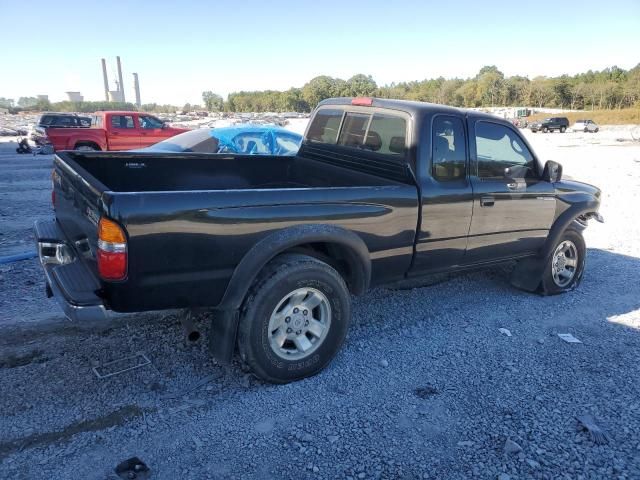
{"x": 112, "y": 250}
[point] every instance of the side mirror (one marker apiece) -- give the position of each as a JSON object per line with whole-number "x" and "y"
{"x": 552, "y": 172}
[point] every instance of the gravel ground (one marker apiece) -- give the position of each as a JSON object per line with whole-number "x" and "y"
{"x": 426, "y": 385}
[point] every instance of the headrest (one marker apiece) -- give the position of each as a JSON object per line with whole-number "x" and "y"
{"x": 374, "y": 141}
{"x": 396, "y": 145}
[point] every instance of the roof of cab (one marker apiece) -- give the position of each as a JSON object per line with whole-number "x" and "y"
{"x": 408, "y": 106}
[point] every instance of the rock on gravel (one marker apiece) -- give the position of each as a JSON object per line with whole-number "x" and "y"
{"x": 511, "y": 447}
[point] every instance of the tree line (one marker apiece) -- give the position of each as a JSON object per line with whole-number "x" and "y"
{"x": 611, "y": 88}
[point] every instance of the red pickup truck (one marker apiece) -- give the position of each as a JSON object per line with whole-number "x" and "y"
{"x": 113, "y": 131}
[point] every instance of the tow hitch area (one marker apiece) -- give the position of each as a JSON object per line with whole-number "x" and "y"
{"x": 55, "y": 253}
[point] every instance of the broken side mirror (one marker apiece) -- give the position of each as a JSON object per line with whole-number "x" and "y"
{"x": 552, "y": 172}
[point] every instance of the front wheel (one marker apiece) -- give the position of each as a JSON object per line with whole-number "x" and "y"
{"x": 566, "y": 266}
{"x": 545, "y": 130}
{"x": 562, "y": 129}
{"x": 294, "y": 320}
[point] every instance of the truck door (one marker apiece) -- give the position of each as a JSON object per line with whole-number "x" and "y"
{"x": 122, "y": 133}
{"x": 513, "y": 208}
{"x": 150, "y": 130}
{"x": 446, "y": 194}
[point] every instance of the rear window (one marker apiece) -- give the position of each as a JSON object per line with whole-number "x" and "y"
{"x": 378, "y": 132}
{"x": 325, "y": 125}
{"x": 354, "y": 129}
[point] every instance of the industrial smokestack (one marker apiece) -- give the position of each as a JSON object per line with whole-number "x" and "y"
{"x": 120, "y": 84}
{"x": 136, "y": 87}
{"x": 106, "y": 81}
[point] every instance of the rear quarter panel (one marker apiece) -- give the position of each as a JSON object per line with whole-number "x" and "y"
{"x": 184, "y": 246}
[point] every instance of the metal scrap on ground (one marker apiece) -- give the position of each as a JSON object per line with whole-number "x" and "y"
{"x": 121, "y": 365}
{"x": 597, "y": 433}
{"x": 567, "y": 337}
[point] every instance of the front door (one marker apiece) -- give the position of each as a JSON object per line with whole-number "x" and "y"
{"x": 123, "y": 133}
{"x": 513, "y": 208}
{"x": 446, "y": 195}
{"x": 150, "y": 130}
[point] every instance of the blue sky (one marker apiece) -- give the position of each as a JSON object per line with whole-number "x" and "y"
{"x": 181, "y": 47}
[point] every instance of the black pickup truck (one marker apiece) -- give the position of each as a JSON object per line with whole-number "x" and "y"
{"x": 380, "y": 191}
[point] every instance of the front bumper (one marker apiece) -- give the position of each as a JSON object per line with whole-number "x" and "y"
{"x": 69, "y": 280}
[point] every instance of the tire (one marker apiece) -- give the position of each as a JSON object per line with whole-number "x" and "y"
{"x": 86, "y": 147}
{"x": 586, "y": 130}
{"x": 562, "y": 129}
{"x": 596, "y": 130}
{"x": 545, "y": 130}
{"x": 275, "y": 354}
{"x": 554, "y": 283}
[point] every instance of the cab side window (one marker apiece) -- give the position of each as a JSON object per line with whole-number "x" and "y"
{"x": 499, "y": 148}
{"x": 122, "y": 121}
{"x": 448, "y": 149}
{"x": 148, "y": 122}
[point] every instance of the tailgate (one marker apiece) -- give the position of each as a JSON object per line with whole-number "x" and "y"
{"x": 78, "y": 206}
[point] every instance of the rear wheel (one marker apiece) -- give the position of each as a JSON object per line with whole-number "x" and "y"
{"x": 566, "y": 265}
{"x": 545, "y": 130}
{"x": 294, "y": 320}
{"x": 86, "y": 147}
{"x": 586, "y": 130}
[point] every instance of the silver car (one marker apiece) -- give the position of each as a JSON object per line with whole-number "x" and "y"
{"x": 585, "y": 126}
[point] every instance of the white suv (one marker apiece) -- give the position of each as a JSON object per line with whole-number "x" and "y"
{"x": 585, "y": 126}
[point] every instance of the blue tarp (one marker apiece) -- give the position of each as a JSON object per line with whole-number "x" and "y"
{"x": 244, "y": 139}
{"x": 256, "y": 140}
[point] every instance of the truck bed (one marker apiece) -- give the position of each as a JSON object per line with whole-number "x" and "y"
{"x": 149, "y": 172}
{"x": 191, "y": 218}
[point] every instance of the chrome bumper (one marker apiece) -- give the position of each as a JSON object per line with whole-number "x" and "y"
{"x": 61, "y": 267}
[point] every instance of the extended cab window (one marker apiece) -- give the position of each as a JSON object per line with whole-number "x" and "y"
{"x": 497, "y": 148}
{"x": 122, "y": 121}
{"x": 324, "y": 127}
{"x": 449, "y": 152}
{"x": 148, "y": 122}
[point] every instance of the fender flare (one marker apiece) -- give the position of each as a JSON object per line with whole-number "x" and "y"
{"x": 565, "y": 219}
{"x": 528, "y": 272}
{"x": 277, "y": 242}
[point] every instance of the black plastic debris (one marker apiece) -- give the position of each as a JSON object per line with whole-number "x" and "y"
{"x": 133, "y": 468}
{"x": 426, "y": 392}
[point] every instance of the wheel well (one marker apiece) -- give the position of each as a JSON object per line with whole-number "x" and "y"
{"x": 339, "y": 257}
{"x": 87, "y": 144}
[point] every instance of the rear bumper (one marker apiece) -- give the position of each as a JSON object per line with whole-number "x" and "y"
{"x": 70, "y": 281}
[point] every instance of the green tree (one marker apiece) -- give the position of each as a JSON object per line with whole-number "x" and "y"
{"x": 212, "y": 101}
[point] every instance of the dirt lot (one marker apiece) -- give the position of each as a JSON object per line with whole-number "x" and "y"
{"x": 425, "y": 387}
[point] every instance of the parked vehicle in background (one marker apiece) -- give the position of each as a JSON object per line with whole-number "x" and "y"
{"x": 585, "y": 126}
{"x": 380, "y": 191}
{"x": 56, "y": 120}
{"x": 243, "y": 139}
{"x": 112, "y": 131}
{"x": 550, "y": 124}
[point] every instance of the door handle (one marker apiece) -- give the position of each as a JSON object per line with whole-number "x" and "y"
{"x": 487, "y": 201}
{"x": 512, "y": 186}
